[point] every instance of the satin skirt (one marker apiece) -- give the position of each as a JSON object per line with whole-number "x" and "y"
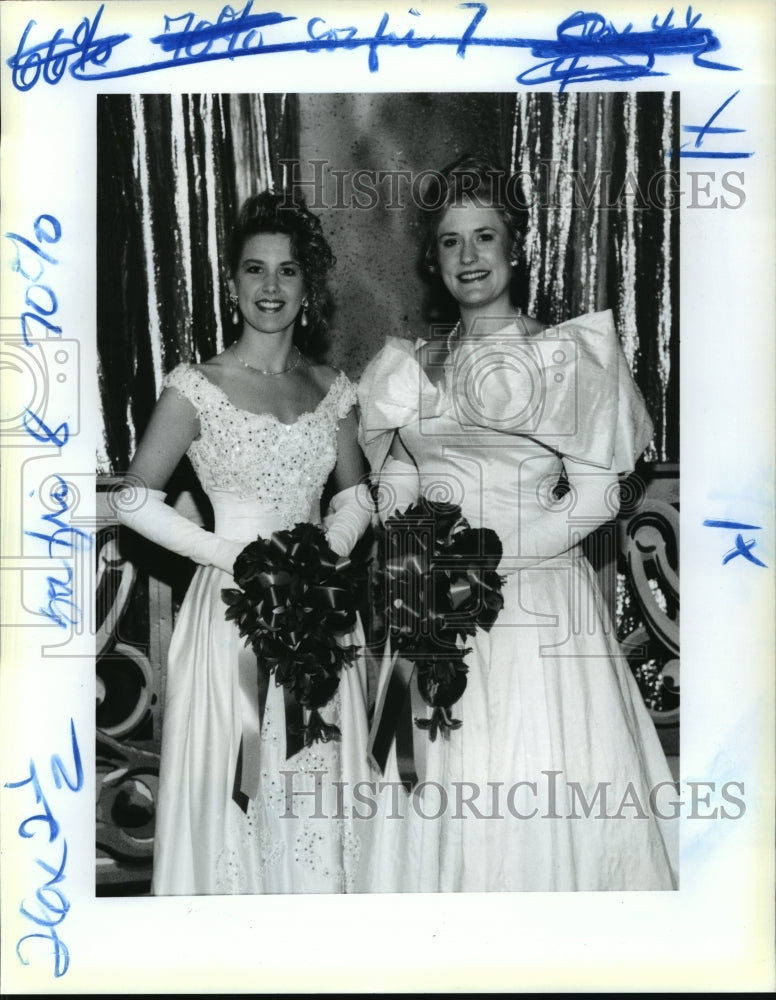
{"x": 556, "y": 779}
{"x": 297, "y": 833}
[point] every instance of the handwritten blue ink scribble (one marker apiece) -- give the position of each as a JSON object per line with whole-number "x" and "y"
{"x": 230, "y": 26}
{"x": 319, "y": 31}
{"x": 61, "y": 607}
{"x": 589, "y": 36}
{"x": 51, "y": 905}
{"x": 741, "y": 547}
{"x": 587, "y": 47}
{"x": 47, "y": 229}
{"x": 36, "y": 427}
{"x": 699, "y": 151}
{"x": 64, "y": 534}
{"x": 52, "y": 57}
{"x": 58, "y": 534}
{"x": 41, "y": 235}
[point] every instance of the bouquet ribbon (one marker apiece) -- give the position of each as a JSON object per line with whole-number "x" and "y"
{"x": 296, "y": 597}
{"x": 254, "y": 686}
{"x": 399, "y": 702}
{"x": 443, "y": 586}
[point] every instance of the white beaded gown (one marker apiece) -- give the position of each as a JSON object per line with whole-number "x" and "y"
{"x": 261, "y": 475}
{"x": 546, "y": 784}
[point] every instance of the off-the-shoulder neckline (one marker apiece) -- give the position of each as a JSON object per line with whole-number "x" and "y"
{"x": 268, "y": 416}
{"x": 602, "y": 317}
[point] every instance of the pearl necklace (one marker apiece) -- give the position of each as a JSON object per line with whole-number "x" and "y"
{"x": 262, "y": 371}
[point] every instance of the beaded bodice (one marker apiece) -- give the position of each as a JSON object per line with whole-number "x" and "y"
{"x": 283, "y": 467}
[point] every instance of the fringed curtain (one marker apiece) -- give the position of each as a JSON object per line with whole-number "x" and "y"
{"x": 172, "y": 171}
{"x": 596, "y": 173}
{"x": 600, "y": 176}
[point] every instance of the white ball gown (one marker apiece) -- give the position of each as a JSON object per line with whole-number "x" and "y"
{"x": 546, "y": 785}
{"x": 261, "y": 475}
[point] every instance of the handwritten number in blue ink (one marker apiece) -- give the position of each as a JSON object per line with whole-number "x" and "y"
{"x": 58, "y": 768}
{"x": 61, "y": 906}
{"x": 230, "y": 25}
{"x": 42, "y": 236}
{"x": 47, "y": 230}
{"x": 52, "y": 903}
{"x": 481, "y": 10}
{"x": 46, "y": 816}
{"x": 52, "y": 58}
{"x": 61, "y": 951}
{"x": 28, "y": 317}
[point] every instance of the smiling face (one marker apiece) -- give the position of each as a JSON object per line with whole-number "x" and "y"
{"x": 268, "y": 283}
{"x": 473, "y": 248}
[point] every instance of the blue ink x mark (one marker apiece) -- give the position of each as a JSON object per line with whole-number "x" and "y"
{"x": 741, "y": 547}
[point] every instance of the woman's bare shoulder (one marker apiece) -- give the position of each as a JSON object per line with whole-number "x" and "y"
{"x": 324, "y": 375}
{"x": 215, "y": 369}
{"x": 532, "y": 325}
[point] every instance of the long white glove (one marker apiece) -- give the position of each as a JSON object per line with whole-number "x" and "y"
{"x": 398, "y": 486}
{"x": 350, "y": 514}
{"x": 145, "y": 512}
{"x": 550, "y": 527}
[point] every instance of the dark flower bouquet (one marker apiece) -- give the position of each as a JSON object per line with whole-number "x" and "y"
{"x": 295, "y": 597}
{"x": 442, "y": 586}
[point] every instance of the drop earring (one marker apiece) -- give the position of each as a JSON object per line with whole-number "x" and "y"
{"x": 233, "y": 303}
{"x": 303, "y": 320}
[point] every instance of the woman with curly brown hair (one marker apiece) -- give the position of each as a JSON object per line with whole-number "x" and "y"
{"x": 242, "y": 807}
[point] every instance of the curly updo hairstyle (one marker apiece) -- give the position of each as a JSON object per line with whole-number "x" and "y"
{"x": 271, "y": 212}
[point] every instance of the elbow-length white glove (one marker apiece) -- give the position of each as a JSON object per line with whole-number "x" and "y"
{"x": 146, "y": 512}
{"x": 350, "y": 514}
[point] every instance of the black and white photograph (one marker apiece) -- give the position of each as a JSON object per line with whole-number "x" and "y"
{"x": 495, "y": 358}
{"x": 387, "y": 550}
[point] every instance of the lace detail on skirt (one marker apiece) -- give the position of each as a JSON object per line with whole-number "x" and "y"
{"x": 297, "y": 831}
{"x": 231, "y": 876}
